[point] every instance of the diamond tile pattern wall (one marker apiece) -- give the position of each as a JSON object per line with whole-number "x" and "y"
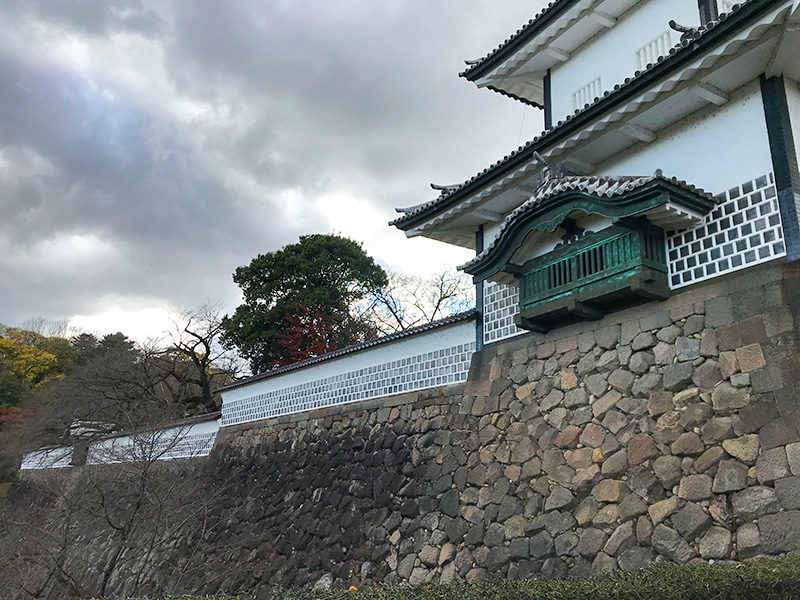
{"x": 432, "y": 369}
{"x": 500, "y": 305}
{"x": 744, "y": 230}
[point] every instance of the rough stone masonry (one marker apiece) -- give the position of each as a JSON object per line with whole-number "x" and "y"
{"x": 664, "y": 432}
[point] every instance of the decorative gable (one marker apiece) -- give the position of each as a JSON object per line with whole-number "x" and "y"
{"x": 589, "y": 272}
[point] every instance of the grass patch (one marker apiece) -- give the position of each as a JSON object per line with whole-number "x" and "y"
{"x": 4, "y": 488}
{"x": 768, "y": 579}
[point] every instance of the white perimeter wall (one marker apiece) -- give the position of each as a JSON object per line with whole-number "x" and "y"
{"x": 721, "y": 148}
{"x": 612, "y": 55}
{"x": 51, "y": 458}
{"x": 426, "y": 360}
{"x": 190, "y": 441}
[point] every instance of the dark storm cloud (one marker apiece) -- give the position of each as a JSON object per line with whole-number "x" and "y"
{"x": 147, "y": 149}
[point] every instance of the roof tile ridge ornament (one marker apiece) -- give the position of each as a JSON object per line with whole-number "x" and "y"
{"x": 444, "y": 189}
{"x": 600, "y": 186}
{"x": 674, "y": 51}
{"x": 687, "y": 33}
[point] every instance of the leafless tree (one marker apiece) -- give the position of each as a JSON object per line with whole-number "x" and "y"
{"x": 109, "y": 527}
{"x": 48, "y": 327}
{"x": 408, "y": 301}
{"x": 194, "y": 362}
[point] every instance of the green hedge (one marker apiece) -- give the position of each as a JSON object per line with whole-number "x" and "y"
{"x": 756, "y": 580}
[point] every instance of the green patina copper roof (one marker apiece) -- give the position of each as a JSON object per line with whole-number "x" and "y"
{"x": 559, "y": 195}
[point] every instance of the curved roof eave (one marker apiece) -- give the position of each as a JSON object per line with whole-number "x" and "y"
{"x": 546, "y": 16}
{"x": 697, "y": 42}
{"x": 597, "y": 190}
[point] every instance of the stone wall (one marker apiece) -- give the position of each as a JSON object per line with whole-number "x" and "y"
{"x": 663, "y": 432}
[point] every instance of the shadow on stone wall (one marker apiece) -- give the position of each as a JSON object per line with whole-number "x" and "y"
{"x": 665, "y": 432}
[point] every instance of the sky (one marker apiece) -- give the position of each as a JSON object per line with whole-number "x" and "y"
{"x": 147, "y": 149}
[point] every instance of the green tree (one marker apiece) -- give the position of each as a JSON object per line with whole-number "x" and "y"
{"x": 325, "y": 274}
{"x": 84, "y": 347}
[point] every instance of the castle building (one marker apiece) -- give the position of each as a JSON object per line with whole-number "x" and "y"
{"x": 668, "y": 159}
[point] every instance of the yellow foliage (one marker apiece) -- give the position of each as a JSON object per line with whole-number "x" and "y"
{"x": 32, "y": 364}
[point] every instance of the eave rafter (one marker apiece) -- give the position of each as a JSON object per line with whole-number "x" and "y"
{"x": 543, "y": 40}
{"x": 617, "y": 108}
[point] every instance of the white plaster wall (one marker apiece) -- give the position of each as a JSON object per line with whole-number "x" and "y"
{"x": 52, "y": 458}
{"x": 793, "y": 97}
{"x": 719, "y": 149}
{"x": 461, "y": 333}
{"x": 176, "y": 442}
{"x": 612, "y": 54}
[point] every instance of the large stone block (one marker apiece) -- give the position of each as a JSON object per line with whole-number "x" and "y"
{"x": 731, "y": 477}
{"x": 678, "y": 376}
{"x": 695, "y": 488}
{"x": 707, "y": 375}
{"x": 688, "y": 444}
{"x": 668, "y": 428}
{"x": 542, "y": 545}
{"x": 607, "y": 337}
{"x": 727, "y": 399}
{"x": 645, "y": 484}
{"x": 635, "y": 558}
{"x": 661, "y": 510}
{"x": 750, "y": 358}
{"x": 718, "y": 311}
{"x": 668, "y": 543}
{"x": 668, "y": 470}
{"x": 748, "y": 540}
{"x": 793, "y": 456}
{"x": 742, "y": 333}
{"x": 641, "y": 362}
{"x": 687, "y": 349}
{"x": 772, "y": 465}
{"x": 716, "y": 430}
{"x": 779, "y": 432}
{"x": 591, "y": 542}
{"x": 716, "y": 544}
{"x": 691, "y": 521}
{"x": 755, "y": 502}
{"x": 641, "y": 448}
{"x": 631, "y": 507}
{"x": 610, "y": 490}
{"x": 788, "y": 492}
{"x": 622, "y": 381}
{"x": 623, "y": 538}
{"x": 602, "y": 405}
{"x": 780, "y": 532}
{"x": 616, "y": 464}
{"x": 744, "y": 448}
{"x": 660, "y": 403}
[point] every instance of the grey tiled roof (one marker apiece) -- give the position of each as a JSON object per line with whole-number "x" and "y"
{"x": 526, "y": 31}
{"x": 538, "y": 142}
{"x": 427, "y": 327}
{"x": 598, "y": 186}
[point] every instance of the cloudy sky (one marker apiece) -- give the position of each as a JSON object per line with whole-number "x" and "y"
{"x": 148, "y": 148}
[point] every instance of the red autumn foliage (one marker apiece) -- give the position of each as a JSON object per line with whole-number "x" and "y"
{"x": 13, "y": 416}
{"x": 307, "y": 333}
